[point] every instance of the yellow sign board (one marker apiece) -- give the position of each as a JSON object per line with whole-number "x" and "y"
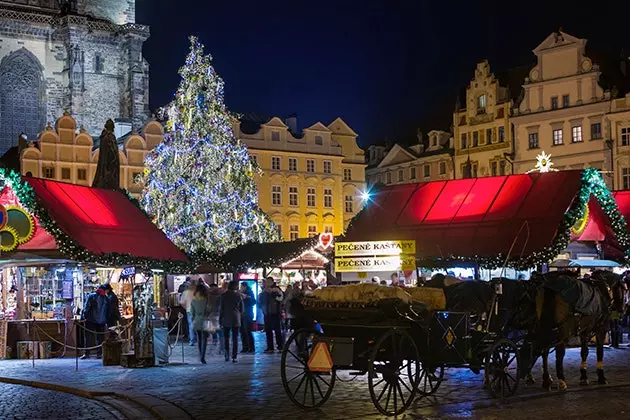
{"x": 372, "y": 264}
{"x": 375, "y": 248}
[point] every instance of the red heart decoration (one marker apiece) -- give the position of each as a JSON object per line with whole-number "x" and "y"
{"x": 325, "y": 239}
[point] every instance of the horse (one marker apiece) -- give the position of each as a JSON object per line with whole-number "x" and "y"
{"x": 567, "y": 306}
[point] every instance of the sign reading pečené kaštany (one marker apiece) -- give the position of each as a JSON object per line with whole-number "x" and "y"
{"x": 371, "y": 264}
{"x": 375, "y": 248}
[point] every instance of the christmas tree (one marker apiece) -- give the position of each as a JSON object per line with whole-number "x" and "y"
{"x": 199, "y": 183}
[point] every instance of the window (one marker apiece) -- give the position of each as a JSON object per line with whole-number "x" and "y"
{"x": 473, "y": 170}
{"x": 319, "y": 140}
{"x": 254, "y": 158}
{"x": 576, "y": 134}
{"x": 99, "y": 63}
{"x": 488, "y": 135}
{"x": 136, "y": 177}
{"x": 310, "y": 197}
{"x": 625, "y": 136}
{"x": 401, "y": 175}
{"x": 49, "y": 172}
{"x": 557, "y": 137}
{"x": 533, "y": 140}
{"x": 554, "y": 102}
{"x": 464, "y": 141}
{"x": 279, "y": 227}
{"x": 565, "y": 101}
{"x": 347, "y": 174}
{"x": 388, "y": 178}
{"x": 327, "y": 167}
{"x": 275, "y": 135}
{"x": 434, "y": 141}
{"x": 475, "y": 139}
{"x": 81, "y": 174}
{"x": 275, "y": 163}
{"x": 412, "y": 172}
{"x": 312, "y": 231}
{"x": 276, "y": 195}
{"x": 65, "y": 173}
{"x": 625, "y": 178}
{"x": 442, "y": 168}
{"x": 502, "y": 168}
{"x": 349, "y": 203}
{"x": 293, "y": 164}
{"x": 328, "y": 229}
{"x": 481, "y": 103}
{"x": 328, "y": 198}
{"x": 596, "y": 131}
{"x": 501, "y": 134}
{"x": 427, "y": 171}
{"x": 310, "y": 165}
{"x": 293, "y": 196}
{"x": 294, "y": 232}
{"x": 493, "y": 168}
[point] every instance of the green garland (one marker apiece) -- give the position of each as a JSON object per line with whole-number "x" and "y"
{"x": 592, "y": 183}
{"x": 68, "y": 246}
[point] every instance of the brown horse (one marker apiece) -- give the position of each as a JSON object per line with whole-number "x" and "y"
{"x": 567, "y": 307}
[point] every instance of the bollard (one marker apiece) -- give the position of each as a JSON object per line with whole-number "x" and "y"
{"x": 76, "y": 347}
{"x": 33, "y": 342}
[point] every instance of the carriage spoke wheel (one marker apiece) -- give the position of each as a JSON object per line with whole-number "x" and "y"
{"x": 394, "y": 372}
{"x": 308, "y": 390}
{"x": 430, "y": 379}
{"x": 502, "y": 368}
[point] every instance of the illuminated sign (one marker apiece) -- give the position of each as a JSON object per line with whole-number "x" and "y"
{"x": 128, "y": 272}
{"x": 375, "y": 248}
{"x": 325, "y": 240}
{"x": 371, "y": 264}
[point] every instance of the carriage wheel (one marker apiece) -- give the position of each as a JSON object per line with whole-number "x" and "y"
{"x": 502, "y": 368}
{"x": 306, "y": 389}
{"x": 430, "y": 379}
{"x": 394, "y": 372}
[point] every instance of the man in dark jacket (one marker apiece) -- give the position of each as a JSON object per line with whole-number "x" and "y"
{"x": 95, "y": 314}
{"x": 113, "y": 310}
{"x": 270, "y": 301}
{"x": 230, "y": 315}
{"x": 249, "y": 301}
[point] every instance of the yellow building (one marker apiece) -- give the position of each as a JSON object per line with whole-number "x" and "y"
{"x": 66, "y": 154}
{"x": 481, "y": 127}
{"x": 619, "y": 122}
{"x": 431, "y": 159}
{"x": 309, "y": 184}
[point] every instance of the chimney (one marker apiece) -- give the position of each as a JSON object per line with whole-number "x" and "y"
{"x": 291, "y": 122}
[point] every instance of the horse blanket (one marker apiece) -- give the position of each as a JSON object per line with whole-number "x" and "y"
{"x": 578, "y": 294}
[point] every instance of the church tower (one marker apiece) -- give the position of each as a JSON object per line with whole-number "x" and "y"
{"x": 80, "y": 56}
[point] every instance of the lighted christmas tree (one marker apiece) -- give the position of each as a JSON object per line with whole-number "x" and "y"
{"x": 200, "y": 186}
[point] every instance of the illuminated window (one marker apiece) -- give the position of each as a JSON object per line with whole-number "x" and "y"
{"x": 327, "y": 167}
{"x": 625, "y": 136}
{"x": 554, "y": 102}
{"x": 401, "y": 175}
{"x": 275, "y": 135}
{"x": 328, "y": 229}
{"x": 310, "y": 165}
{"x": 276, "y": 195}
{"x": 557, "y": 137}
{"x": 49, "y": 172}
{"x": 319, "y": 140}
{"x": 596, "y": 131}
{"x": 275, "y": 163}
{"x": 328, "y": 199}
{"x": 293, "y": 164}
{"x": 501, "y": 134}
{"x": 310, "y": 197}
{"x": 481, "y": 103}
{"x": 576, "y": 134}
{"x": 565, "y": 101}
{"x": 294, "y": 232}
{"x": 136, "y": 177}
{"x": 81, "y": 174}
{"x": 625, "y": 177}
{"x": 312, "y": 231}
{"x": 347, "y": 174}
{"x": 65, "y": 173}
{"x": 412, "y": 172}
{"x": 533, "y": 140}
{"x": 293, "y": 196}
{"x": 442, "y": 168}
{"x": 349, "y": 203}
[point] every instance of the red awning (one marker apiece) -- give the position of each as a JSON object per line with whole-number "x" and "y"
{"x": 623, "y": 202}
{"x": 101, "y": 221}
{"x": 480, "y": 217}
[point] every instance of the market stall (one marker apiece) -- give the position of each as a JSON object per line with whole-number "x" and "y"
{"x": 485, "y": 224}
{"x": 59, "y": 241}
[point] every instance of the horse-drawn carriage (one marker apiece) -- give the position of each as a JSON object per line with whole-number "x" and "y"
{"x": 402, "y": 346}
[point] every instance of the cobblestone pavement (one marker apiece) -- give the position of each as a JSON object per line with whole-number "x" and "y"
{"x": 251, "y": 389}
{"x": 24, "y": 402}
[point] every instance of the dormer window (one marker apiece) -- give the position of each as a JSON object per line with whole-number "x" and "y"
{"x": 275, "y": 135}
{"x": 434, "y": 141}
{"x": 481, "y": 104}
{"x": 319, "y": 140}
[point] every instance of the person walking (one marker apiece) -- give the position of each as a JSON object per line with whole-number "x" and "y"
{"x": 199, "y": 316}
{"x": 292, "y": 293}
{"x": 247, "y": 321}
{"x": 214, "y": 295}
{"x": 185, "y": 300}
{"x": 271, "y": 302}
{"x": 230, "y": 314}
{"x": 95, "y": 314}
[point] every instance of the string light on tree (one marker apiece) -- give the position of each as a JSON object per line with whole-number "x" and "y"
{"x": 200, "y": 187}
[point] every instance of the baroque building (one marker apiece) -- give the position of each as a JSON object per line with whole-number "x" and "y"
{"x": 431, "y": 159}
{"x": 310, "y": 183}
{"x": 78, "y": 56}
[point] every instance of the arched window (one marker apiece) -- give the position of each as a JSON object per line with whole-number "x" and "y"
{"x": 22, "y": 98}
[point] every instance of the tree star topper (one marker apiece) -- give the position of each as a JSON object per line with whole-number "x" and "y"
{"x": 543, "y": 164}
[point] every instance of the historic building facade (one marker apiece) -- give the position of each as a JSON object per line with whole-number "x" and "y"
{"x": 309, "y": 184}
{"x": 431, "y": 159}
{"x": 563, "y": 110}
{"x": 481, "y": 127}
{"x": 80, "y": 56}
{"x": 64, "y": 155}
{"x": 618, "y": 123}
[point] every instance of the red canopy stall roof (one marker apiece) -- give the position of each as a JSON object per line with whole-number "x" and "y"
{"x": 516, "y": 215}
{"x": 103, "y": 222}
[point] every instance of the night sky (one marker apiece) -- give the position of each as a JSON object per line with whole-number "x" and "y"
{"x": 384, "y": 66}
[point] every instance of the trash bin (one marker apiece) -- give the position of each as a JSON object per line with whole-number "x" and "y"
{"x": 111, "y": 352}
{"x": 160, "y": 345}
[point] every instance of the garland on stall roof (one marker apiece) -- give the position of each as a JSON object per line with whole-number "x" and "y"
{"x": 67, "y": 245}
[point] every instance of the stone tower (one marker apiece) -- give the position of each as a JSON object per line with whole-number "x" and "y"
{"x": 80, "y": 56}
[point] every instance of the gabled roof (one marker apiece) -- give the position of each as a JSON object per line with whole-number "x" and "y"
{"x": 339, "y": 126}
{"x": 276, "y": 122}
{"x": 523, "y": 217}
{"x": 556, "y": 39}
{"x": 397, "y": 154}
{"x": 318, "y": 126}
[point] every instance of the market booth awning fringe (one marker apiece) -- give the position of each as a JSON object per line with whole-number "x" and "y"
{"x": 527, "y": 218}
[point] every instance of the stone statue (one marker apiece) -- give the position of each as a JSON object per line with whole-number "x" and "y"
{"x": 108, "y": 167}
